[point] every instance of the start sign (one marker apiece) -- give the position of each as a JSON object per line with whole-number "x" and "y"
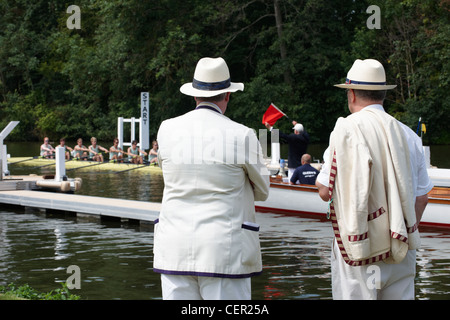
{"x": 144, "y": 129}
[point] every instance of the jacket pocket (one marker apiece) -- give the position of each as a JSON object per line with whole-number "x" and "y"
{"x": 251, "y": 251}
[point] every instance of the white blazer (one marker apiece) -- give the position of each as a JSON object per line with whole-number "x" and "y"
{"x": 213, "y": 172}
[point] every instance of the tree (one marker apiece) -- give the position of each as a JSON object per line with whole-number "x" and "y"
{"x": 75, "y": 83}
{"x": 413, "y": 46}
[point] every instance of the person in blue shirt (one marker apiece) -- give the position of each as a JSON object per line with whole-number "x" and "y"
{"x": 305, "y": 174}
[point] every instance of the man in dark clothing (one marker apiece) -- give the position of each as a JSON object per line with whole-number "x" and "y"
{"x": 297, "y": 142}
{"x": 305, "y": 174}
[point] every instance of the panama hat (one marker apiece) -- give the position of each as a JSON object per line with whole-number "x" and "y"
{"x": 366, "y": 75}
{"x": 211, "y": 78}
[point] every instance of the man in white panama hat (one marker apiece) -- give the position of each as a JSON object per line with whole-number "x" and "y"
{"x": 206, "y": 238}
{"x": 297, "y": 143}
{"x": 375, "y": 180}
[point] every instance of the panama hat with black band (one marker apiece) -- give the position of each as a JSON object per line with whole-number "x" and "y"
{"x": 211, "y": 78}
{"x": 366, "y": 75}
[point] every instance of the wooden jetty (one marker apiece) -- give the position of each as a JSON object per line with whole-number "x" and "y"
{"x": 96, "y": 207}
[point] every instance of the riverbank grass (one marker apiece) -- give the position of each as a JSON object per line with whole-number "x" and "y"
{"x": 25, "y": 292}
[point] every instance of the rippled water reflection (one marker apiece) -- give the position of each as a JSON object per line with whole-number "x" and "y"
{"x": 115, "y": 262}
{"x": 116, "y": 258}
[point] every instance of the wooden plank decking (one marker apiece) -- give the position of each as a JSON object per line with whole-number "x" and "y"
{"x": 80, "y": 204}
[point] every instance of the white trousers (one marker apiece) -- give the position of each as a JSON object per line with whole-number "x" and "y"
{"x": 378, "y": 281}
{"x": 176, "y": 287}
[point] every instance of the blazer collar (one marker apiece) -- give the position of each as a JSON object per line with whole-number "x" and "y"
{"x": 209, "y": 105}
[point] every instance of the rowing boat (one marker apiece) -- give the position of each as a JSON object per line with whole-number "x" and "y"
{"x": 83, "y": 165}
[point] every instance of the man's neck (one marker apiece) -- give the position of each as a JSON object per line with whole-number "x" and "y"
{"x": 209, "y": 105}
{"x": 357, "y": 108}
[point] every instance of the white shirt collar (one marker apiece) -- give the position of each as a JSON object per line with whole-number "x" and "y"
{"x": 209, "y": 105}
{"x": 376, "y": 106}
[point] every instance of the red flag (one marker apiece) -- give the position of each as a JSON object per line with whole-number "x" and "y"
{"x": 272, "y": 114}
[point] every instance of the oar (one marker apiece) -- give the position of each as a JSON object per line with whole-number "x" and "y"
{"x": 46, "y": 165}
{"x": 89, "y": 165}
{"x": 51, "y": 164}
{"x": 11, "y": 163}
{"x": 137, "y": 167}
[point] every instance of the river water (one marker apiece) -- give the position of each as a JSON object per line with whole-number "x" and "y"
{"x": 115, "y": 258}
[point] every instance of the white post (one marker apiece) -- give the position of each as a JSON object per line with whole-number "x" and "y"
{"x": 275, "y": 153}
{"x": 3, "y": 153}
{"x": 133, "y": 130}
{"x": 4, "y": 158}
{"x": 120, "y": 131}
{"x": 139, "y": 122}
{"x": 60, "y": 159}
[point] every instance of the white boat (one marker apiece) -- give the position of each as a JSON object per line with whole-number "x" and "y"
{"x": 304, "y": 200}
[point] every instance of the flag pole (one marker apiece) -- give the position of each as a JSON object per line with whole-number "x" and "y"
{"x": 281, "y": 111}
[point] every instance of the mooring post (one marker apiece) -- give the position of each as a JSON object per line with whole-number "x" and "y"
{"x": 60, "y": 159}
{"x": 3, "y": 153}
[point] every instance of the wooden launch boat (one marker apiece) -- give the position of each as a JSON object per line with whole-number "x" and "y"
{"x": 304, "y": 200}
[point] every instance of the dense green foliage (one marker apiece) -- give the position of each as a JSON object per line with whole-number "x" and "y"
{"x": 14, "y": 292}
{"x": 75, "y": 83}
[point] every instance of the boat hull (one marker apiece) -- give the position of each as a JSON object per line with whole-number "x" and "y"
{"x": 304, "y": 200}
{"x": 83, "y": 165}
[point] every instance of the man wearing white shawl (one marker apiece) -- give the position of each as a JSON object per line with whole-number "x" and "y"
{"x": 376, "y": 183}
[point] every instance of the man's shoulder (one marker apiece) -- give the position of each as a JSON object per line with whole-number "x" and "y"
{"x": 306, "y": 167}
{"x": 177, "y": 118}
{"x": 311, "y": 168}
{"x": 408, "y": 131}
{"x": 195, "y": 119}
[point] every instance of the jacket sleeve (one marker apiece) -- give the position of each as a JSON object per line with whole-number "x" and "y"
{"x": 159, "y": 138}
{"x": 255, "y": 168}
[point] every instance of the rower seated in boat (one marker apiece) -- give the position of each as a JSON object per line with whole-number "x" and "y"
{"x": 80, "y": 151}
{"x": 134, "y": 153}
{"x": 153, "y": 153}
{"x": 46, "y": 149}
{"x": 115, "y": 152}
{"x": 94, "y": 150}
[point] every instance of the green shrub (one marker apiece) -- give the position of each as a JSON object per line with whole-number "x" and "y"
{"x": 13, "y": 292}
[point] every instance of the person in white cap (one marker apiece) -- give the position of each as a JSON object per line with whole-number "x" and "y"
{"x": 376, "y": 183}
{"x": 206, "y": 238}
{"x": 297, "y": 143}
